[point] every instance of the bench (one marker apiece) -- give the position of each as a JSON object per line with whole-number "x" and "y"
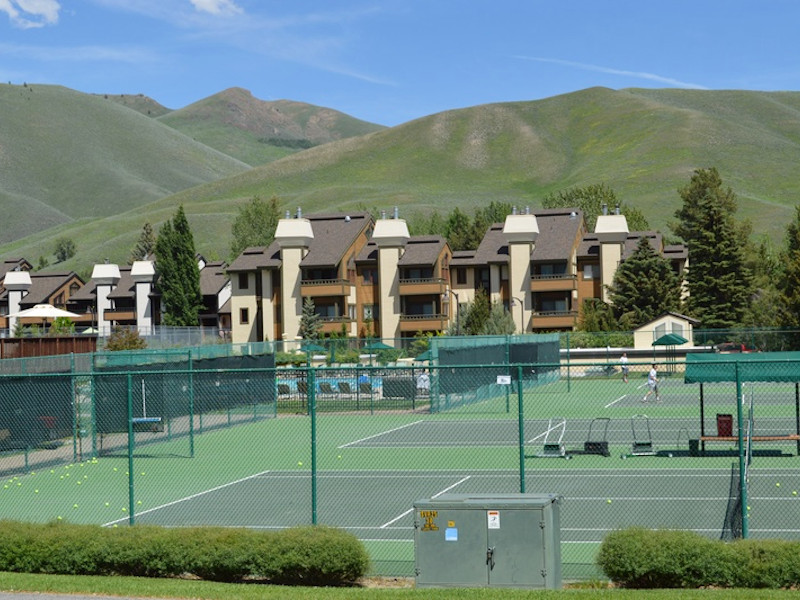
{"x": 792, "y": 437}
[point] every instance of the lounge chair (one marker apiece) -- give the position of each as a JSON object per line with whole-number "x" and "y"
{"x": 325, "y": 389}
{"x": 345, "y": 389}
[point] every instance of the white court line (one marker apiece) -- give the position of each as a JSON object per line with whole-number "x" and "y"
{"x": 197, "y": 495}
{"x": 381, "y": 433}
{"x": 615, "y": 401}
{"x": 557, "y": 426}
{"x": 447, "y": 489}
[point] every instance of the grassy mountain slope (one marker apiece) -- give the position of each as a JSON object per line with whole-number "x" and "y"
{"x": 140, "y": 103}
{"x": 256, "y": 131}
{"x": 67, "y": 155}
{"x": 642, "y": 143}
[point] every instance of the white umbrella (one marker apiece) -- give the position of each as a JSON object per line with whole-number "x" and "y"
{"x": 44, "y": 311}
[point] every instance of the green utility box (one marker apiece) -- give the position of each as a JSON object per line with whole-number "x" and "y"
{"x": 488, "y": 540}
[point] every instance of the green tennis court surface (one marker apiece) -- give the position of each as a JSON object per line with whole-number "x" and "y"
{"x": 371, "y": 468}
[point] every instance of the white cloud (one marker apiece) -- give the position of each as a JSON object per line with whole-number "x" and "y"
{"x": 27, "y": 14}
{"x": 217, "y": 7}
{"x": 610, "y": 71}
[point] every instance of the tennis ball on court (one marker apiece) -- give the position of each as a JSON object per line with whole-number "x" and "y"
{"x": 778, "y": 484}
{"x": 108, "y": 503}
{"x": 80, "y": 482}
{"x": 61, "y": 477}
{"x": 608, "y": 501}
{"x": 143, "y": 473}
{"x": 124, "y": 509}
{"x": 74, "y": 506}
{"x": 299, "y": 463}
{"x": 59, "y": 517}
{"x": 115, "y": 469}
{"x": 139, "y": 502}
{"x": 35, "y": 491}
{"x": 52, "y": 471}
{"x": 115, "y": 525}
{"x": 339, "y": 457}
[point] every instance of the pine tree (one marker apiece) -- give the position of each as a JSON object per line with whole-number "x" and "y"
{"x": 179, "y": 275}
{"x": 145, "y": 246}
{"x": 310, "y": 322}
{"x": 644, "y": 287}
{"x": 499, "y": 322}
{"x": 790, "y": 281}
{"x": 475, "y": 314}
{"x": 719, "y": 282}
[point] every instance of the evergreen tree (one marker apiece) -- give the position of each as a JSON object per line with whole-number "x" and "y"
{"x": 475, "y": 314}
{"x": 596, "y": 315}
{"x": 720, "y": 284}
{"x": 499, "y": 322}
{"x": 145, "y": 246}
{"x": 644, "y": 287}
{"x": 179, "y": 275}
{"x": 790, "y": 281}
{"x": 65, "y": 248}
{"x": 459, "y": 231}
{"x": 310, "y": 321}
{"x": 254, "y": 225}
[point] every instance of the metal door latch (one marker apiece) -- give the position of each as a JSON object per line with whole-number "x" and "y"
{"x": 490, "y": 557}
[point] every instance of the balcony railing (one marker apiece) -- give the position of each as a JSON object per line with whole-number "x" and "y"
{"x": 554, "y": 283}
{"x": 324, "y": 287}
{"x": 554, "y": 319}
{"x": 421, "y": 286}
{"x": 433, "y": 322}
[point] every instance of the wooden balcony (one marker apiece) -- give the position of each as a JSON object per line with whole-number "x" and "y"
{"x": 554, "y": 283}
{"x": 324, "y": 287}
{"x": 554, "y": 320}
{"x": 423, "y": 322}
{"x": 421, "y": 287}
{"x": 120, "y": 315}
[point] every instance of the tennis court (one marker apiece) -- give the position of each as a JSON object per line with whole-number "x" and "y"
{"x": 363, "y": 470}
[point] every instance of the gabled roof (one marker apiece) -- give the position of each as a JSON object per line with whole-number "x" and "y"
{"x": 422, "y": 251}
{"x": 44, "y": 285}
{"x": 558, "y": 231}
{"x": 334, "y": 234}
{"x": 126, "y": 287}
{"x": 14, "y": 263}
{"x": 493, "y": 248}
{"x": 368, "y": 254}
{"x": 590, "y": 246}
{"x": 213, "y": 278}
{"x": 257, "y": 257}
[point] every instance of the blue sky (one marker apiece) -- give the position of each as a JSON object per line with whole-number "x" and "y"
{"x": 391, "y": 61}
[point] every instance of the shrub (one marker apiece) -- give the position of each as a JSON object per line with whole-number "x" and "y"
{"x": 643, "y": 558}
{"x": 307, "y": 555}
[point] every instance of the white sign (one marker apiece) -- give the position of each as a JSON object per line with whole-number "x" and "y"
{"x": 504, "y": 380}
{"x": 493, "y": 519}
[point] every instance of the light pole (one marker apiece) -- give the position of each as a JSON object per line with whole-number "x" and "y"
{"x": 515, "y": 300}
{"x": 446, "y": 298}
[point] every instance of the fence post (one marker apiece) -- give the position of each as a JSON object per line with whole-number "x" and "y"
{"x": 191, "y": 408}
{"x": 312, "y": 411}
{"x": 742, "y": 462}
{"x": 521, "y": 426}
{"x": 131, "y": 442}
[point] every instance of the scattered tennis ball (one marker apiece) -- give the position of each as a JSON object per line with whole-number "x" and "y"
{"x": 143, "y": 473}
{"x": 794, "y": 492}
{"x": 339, "y": 457}
{"x": 80, "y": 482}
{"x": 52, "y": 471}
{"x": 58, "y": 517}
{"x": 19, "y": 483}
{"x": 124, "y": 509}
{"x": 86, "y": 477}
{"x": 139, "y": 502}
{"x": 74, "y": 506}
{"x": 35, "y": 491}
{"x": 608, "y": 501}
{"x": 115, "y": 469}
{"x": 61, "y": 477}
{"x": 300, "y": 463}
{"x": 115, "y": 525}
{"x": 108, "y": 503}
{"x": 778, "y": 484}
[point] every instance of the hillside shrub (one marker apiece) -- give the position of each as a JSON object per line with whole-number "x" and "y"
{"x": 305, "y": 555}
{"x": 643, "y": 558}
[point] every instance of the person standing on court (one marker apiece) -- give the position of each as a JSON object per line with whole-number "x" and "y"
{"x": 623, "y": 361}
{"x": 652, "y": 383}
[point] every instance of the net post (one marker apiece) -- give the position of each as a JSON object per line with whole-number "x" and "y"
{"x": 312, "y": 410}
{"x": 131, "y": 442}
{"x": 521, "y": 426}
{"x": 742, "y": 465}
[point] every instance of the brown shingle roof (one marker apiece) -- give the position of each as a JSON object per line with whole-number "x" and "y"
{"x": 422, "y": 250}
{"x": 257, "y": 257}
{"x": 333, "y": 235}
{"x": 368, "y": 254}
{"x": 126, "y": 286}
{"x": 493, "y": 248}
{"x": 44, "y": 285}
{"x": 213, "y": 278}
{"x": 558, "y": 230}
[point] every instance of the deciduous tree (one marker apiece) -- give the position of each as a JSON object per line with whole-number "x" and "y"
{"x": 254, "y": 225}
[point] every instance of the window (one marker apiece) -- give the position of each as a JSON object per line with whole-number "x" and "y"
{"x": 461, "y": 275}
{"x": 370, "y": 276}
{"x": 371, "y": 311}
{"x": 351, "y": 312}
{"x": 591, "y": 271}
{"x": 244, "y": 316}
{"x": 244, "y": 281}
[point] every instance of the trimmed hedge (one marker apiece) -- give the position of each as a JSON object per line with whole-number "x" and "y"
{"x": 302, "y": 555}
{"x": 644, "y": 558}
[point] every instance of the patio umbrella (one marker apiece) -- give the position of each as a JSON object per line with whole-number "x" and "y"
{"x": 669, "y": 340}
{"x": 44, "y": 311}
{"x": 310, "y": 347}
{"x": 378, "y": 345}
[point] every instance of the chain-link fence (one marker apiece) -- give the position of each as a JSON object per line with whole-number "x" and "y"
{"x": 179, "y": 439}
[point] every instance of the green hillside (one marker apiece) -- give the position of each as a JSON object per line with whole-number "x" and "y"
{"x": 68, "y": 156}
{"x": 644, "y": 144}
{"x": 256, "y": 131}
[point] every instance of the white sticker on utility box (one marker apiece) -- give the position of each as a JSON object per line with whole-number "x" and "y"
{"x": 493, "y": 519}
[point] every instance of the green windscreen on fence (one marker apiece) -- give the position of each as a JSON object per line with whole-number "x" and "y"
{"x": 759, "y": 366}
